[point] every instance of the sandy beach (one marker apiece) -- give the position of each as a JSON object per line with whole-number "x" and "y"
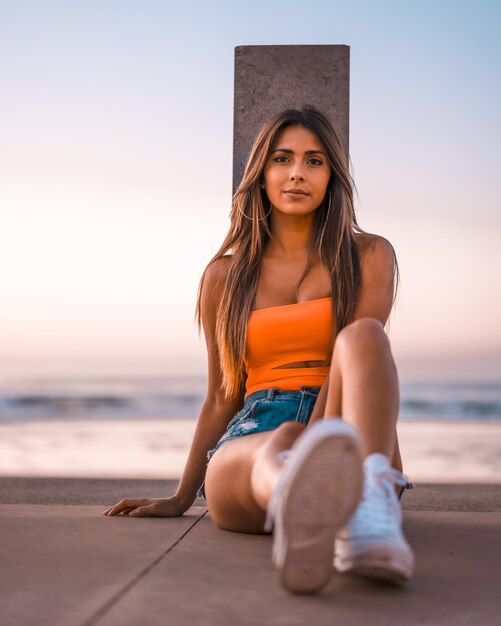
{"x": 452, "y": 452}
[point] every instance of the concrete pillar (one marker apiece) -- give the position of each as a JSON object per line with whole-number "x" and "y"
{"x": 269, "y": 79}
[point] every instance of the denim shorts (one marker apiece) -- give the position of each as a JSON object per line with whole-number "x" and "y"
{"x": 265, "y": 410}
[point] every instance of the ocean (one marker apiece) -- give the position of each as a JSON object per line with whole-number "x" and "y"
{"x": 167, "y": 397}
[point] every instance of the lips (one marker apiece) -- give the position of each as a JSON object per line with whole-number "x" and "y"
{"x": 295, "y": 192}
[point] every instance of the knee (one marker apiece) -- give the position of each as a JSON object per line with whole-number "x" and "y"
{"x": 284, "y": 436}
{"x": 281, "y": 438}
{"x": 289, "y": 429}
{"x": 366, "y": 333}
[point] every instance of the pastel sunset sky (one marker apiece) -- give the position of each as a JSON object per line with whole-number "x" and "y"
{"x": 116, "y": 164}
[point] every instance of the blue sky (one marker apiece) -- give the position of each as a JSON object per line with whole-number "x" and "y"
{"x": 116, "y": 139}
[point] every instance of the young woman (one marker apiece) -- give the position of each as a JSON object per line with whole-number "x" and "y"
{"x": 298, "y": 426}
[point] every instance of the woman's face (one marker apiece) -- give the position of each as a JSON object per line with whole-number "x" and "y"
{"x": 297, "y": 172}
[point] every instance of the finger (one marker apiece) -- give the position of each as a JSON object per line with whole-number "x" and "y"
{"x": 107, "y": 510}
{"x": 115, "y": 509}
{"x": 143, "y": 511}
{"x": 122, "y": 511}
{"x": 127, "y": 510}
{"x": 124, "y": 506}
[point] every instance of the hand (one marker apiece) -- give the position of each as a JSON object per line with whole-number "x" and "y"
{"x": 144, "y": 507}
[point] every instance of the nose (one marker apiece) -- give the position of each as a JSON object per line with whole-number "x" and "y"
{"x": 296, "y": 174}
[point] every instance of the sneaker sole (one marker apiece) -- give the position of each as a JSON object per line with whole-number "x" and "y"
{"x": 395, "y": 566}
{"x": 322, "y": 487}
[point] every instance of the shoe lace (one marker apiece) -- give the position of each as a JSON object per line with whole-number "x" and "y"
{"x": 379, "y": 505}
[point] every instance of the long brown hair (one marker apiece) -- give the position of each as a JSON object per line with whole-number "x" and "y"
{"x": 333, "y": 241}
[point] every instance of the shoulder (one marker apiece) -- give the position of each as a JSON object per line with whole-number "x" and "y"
{"x": 376, "y": 253}
{"x": 374, "y": 246}
{"x": 378, "y": 277}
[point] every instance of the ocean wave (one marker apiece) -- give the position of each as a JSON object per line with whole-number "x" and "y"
{"x": 182, "y": 397}
{"x": 461, "y": 410}
{"x": 460, "y": 400}
{"x": 30, "y": 407}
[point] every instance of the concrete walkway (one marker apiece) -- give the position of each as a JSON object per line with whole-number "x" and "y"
{"x": 63, "y": 563}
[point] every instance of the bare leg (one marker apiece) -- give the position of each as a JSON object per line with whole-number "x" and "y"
{"x": 363, "y": 385}
{"x": 372, "y": 543}
{"x": 242, "y": 475}
{"x": 267, "y": 467}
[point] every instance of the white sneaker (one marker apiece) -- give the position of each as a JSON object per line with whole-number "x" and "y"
{"x": 372, "y": 544}
{"x": 318, "y": 490}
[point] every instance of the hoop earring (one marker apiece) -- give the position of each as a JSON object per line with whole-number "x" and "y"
{"x": 260, "y": 217}
{"x": 329, "y": 207}
{"x": 325, "y": 222}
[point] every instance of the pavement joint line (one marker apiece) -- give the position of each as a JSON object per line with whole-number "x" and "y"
{"x": 109, "y": 604}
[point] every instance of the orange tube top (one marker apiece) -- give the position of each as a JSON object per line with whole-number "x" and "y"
{"x": 281, "y": 335}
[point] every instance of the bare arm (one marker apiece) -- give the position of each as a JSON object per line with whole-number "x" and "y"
{"x": 214, "y": 417}
{"x": 377, "y": 265}
{"x": 217, "y": 410}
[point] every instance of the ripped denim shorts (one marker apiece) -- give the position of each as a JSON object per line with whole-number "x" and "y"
{"x": 265, "y": 410}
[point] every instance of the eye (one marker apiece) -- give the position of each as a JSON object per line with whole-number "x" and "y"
{"x": 281, "y": 159}
{"x": 315, "y": 161}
